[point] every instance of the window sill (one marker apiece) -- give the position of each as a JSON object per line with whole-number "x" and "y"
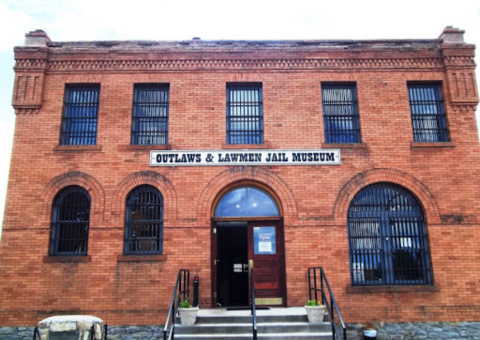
{"x": 77, "y": 148}
{"x": 418, "y": 145}
{"x": 141, "y": 258}
{"x": 392, "y": 289}
{"x": 144, "y": 147}
{"x": 344, "y": 145}
{"x": 245, "y": 146}
{"x": 82, "y": 258}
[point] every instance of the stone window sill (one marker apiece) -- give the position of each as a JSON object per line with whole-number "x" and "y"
{"x": 344, "y": 145}
{"x": 418, "y": 145}
{"x": 51, "y": 259}
{"x": 77, "y": 148}
{"x": 141, "y": 258}
{"x": 392, "y": 289}
{"x": 245, "y": 146}
{"x": 144, "y": 147}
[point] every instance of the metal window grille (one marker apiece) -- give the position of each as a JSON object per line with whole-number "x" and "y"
{"x": 244, "y": 114}
{"x": 150, "y": 115}
{"x": 387, "y": 238}
{"x": 71, "y": 214}
{"x": 80, "y": 115}
{"x": 428, "y": 116}
{"x": 340, "y": 114}
{"x": 144, "y": 221}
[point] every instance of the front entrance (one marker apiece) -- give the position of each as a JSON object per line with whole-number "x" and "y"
{"x": 247, "y": 232}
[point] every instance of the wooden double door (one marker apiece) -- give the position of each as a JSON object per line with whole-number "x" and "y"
{"x": 239, "y": 246}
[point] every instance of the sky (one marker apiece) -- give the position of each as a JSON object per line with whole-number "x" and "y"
{"x": 69, "y": 20}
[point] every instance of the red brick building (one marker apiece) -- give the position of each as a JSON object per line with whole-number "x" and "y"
{"x": 133, "y": 159}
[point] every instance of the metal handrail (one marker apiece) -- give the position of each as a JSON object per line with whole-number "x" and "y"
{"x": 332, "y": 305}
{"x": 35, "y": 333}
{"x": 254, "y": 311}
{"x": 105, "y": 332}
{"x": 185, "y": 294}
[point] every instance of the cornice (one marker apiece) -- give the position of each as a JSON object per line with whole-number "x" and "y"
{"x": 236, "y": 64}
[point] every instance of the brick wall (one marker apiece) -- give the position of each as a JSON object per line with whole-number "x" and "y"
{"x": 445, "y": 178}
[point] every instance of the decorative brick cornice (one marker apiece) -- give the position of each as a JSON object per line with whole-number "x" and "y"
{"x": 354, "y": 185}
{"x": 459, "y": 61}
{"x": 231, "y": 64}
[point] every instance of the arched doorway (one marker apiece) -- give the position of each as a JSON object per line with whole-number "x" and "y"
{"x": 247, "y": 232}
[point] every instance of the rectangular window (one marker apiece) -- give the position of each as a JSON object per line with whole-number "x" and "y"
{"x": 244, "y": 114}
{"x": 340, "y": 114}
{"x": 150, "y": 114}
{"x": 80, "y": 115}
{"x": 428, "y": 116}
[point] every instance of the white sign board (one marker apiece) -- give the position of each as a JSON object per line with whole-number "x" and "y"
{"x": 245, "y": 157}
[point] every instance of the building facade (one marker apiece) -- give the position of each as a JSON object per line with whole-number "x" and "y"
{"x": 133, "y": 159}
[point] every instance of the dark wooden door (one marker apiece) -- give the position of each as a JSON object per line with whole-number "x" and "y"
{"x": 267, "y": 255}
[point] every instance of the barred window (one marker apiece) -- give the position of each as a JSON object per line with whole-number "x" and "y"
{"x": 80, "y": 115}
{"x": 340, "y": 114}
{"x": 428, "y": 116}
{"x": 387, "y": 238}
{"x": 150, "y": 115}
{"x": 244, "y": 114}
{"x": 70, "y": 222}
{"x": 144, "y": 221}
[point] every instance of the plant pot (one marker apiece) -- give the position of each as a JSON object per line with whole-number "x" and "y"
{"x": 188, "y": 316}
{"x": 315, "y": 313}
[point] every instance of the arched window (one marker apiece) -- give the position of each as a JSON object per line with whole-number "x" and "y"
{"x": 246, "y": 202}
{"x": 387, "y": 238}
{"x": 70, "y": 222}
{"x": 144, "y": 221}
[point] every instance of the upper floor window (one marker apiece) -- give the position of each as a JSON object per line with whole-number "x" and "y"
{"x": 244, "y": 113}
{"x": 428, "y": 116}
{"x": 70, "y": 222}
{"x": 387, "y": 238}
{"x": 144, "y": 221}
{"x": 80, "y": 115}
{"x": 340, "y": 114}
{"x": 150, "y": 114}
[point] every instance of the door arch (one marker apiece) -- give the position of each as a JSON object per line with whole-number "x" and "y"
{"x": 247, "y": 232}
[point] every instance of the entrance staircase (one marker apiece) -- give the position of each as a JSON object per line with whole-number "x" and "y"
{"x": 272, "y": 324}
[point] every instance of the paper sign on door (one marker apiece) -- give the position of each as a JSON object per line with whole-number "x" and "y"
{"x": 264, "y": 240}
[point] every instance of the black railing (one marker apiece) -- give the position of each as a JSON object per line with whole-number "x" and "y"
{"x": 36, "y": 334}
{"x": 105, "y": 332}
{"x": 180, "y": 292}
{"x": 317, "y": 274}
{"x": 254, "y": 311}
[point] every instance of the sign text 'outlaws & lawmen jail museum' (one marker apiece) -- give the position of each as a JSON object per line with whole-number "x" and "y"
{"x": 244, "y": 157}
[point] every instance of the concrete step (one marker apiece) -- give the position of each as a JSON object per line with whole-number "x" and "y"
{"x": 273, "y": 324}
{"x": 278, "y": 336}
{"x": 262, "y": 328}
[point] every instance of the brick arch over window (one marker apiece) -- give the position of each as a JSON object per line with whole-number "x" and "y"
{"x": 237, "y": 174}
{"x": 146, "y": 177}
{"x": 89, "y": 183}
{"x": 352, "y": 187}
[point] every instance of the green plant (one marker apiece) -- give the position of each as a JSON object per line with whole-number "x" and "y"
{"x": 313, "y": 303}
{"x": 185, "y": 304}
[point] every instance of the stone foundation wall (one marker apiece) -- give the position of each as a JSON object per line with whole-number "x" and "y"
{"x": 417, "y": 331}
{"x": 386, "y": 331}
{"x": 16, "y": 333}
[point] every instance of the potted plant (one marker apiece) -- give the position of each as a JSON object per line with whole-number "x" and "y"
{"x": 188, "y": 314}
{"x": 315, "y": 311}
